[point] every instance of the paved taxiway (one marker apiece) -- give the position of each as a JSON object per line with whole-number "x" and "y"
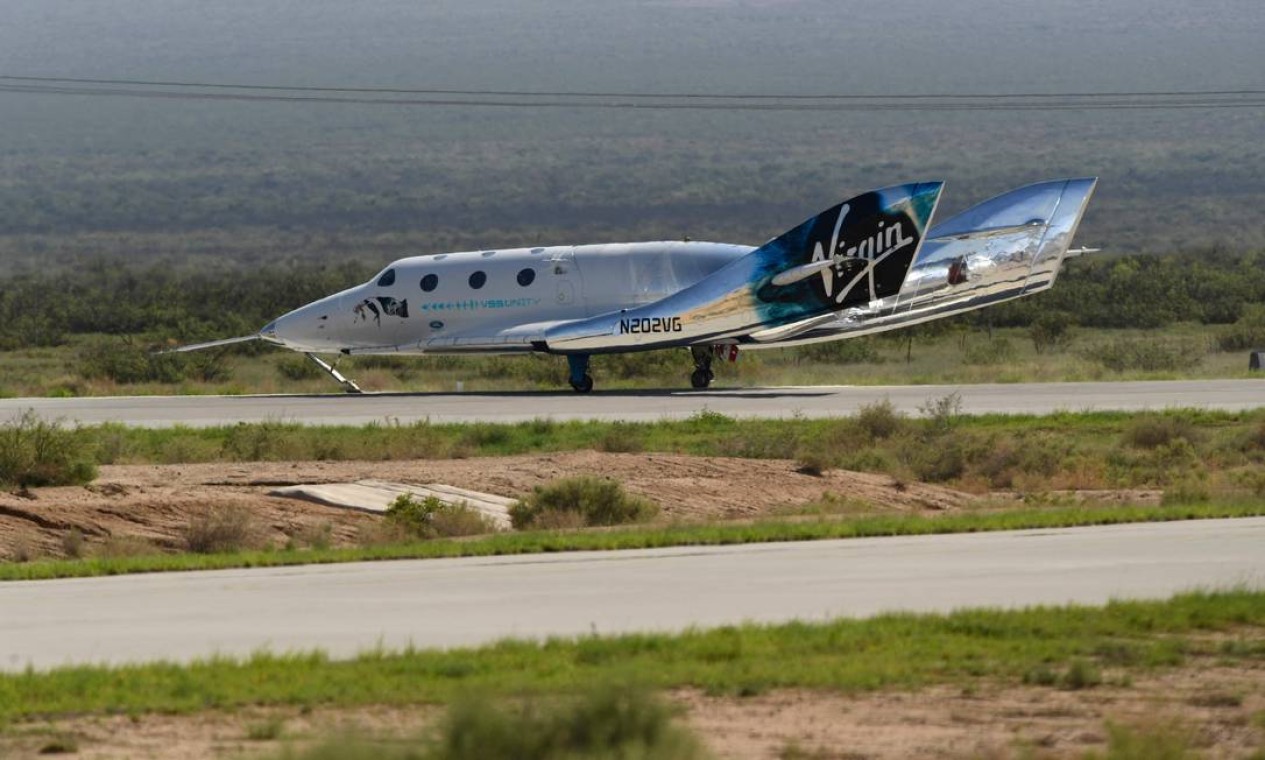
{"x": 440, "y": 603}
{"x": 815, "y": 401}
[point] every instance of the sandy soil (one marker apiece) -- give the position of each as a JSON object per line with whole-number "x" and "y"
{"x": 154, "y": 503}
{"x": 1218, "y": 707}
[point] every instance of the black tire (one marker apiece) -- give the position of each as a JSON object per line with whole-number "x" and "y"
{"x": 701, "y": 378}
{"x": 584, "y": 386}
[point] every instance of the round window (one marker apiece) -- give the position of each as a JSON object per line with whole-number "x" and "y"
{"x": 477, "y": 280}
{"x": 526, "y": 277}
{"x": 430, "y": 282}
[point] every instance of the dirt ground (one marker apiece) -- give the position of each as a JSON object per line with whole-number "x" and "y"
{"x": 153, "y": 504}
{"x": 1218, "y": 708}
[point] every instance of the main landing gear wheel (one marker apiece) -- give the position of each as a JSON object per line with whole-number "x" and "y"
{"x": 702, "y": 375}
{"x": 578, "y": 369}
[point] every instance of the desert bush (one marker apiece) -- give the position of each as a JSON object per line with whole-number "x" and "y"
{"x": 124, "y": 361}
{"x": 1247, "y": 333}
{"x": 879, "y": 420}
{"x": 599, "y": 501}
{"x": 35, "y": 452}
{"x": 1163, "y": 741}
{"x": 813, "y": 462}
{"x": 431, "y": 518}
{"x": 72, "y": 543}
{"x": 608, "y": 722}
{"x": 1186, "y": 490}
{"x": 221, "y": 530}
{"x": 940, "y": 460}
{"x": 1151, "y": 431}
{"x": 1051, "y": 331}
{"x": 941, "y": 413}
{"x": 1147, "y": 354}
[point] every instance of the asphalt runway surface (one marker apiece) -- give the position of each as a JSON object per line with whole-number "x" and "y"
{"x": 814, "y": 401}
{"x": 345, "y": 609}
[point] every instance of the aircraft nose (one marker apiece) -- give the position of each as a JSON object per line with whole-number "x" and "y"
{"x": 269, "y": 332}
{"x": 305, "y": 328}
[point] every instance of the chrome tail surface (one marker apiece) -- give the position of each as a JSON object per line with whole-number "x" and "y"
{"x": 1007, "y": 247}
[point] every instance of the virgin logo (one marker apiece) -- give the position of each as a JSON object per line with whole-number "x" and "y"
{"x": 885, "y": 241}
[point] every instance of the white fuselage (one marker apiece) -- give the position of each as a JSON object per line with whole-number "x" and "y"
{"x": 429, "y": 304}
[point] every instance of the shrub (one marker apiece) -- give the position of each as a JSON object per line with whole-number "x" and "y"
{"x": 35, "y": 452}
{"x": 1151, "y": 431}
{"x": 431, "y": 518}
{"x": 1051, "y": 331}
{"x": 608, "y": 722}
{"x": 1147, "y": 354}
{"x": 941, "y": 413}
{"x": 72, "y": 543}
{"x": 1081, "y": 674}
{"x": 123, "y": 361}
{"x": 221, "y": 530}
{"x": 599, "y": 501}
{"x": 1162, "y": 742}
{"x": 879, "y": 420}
{"x": 1247, "y": 333}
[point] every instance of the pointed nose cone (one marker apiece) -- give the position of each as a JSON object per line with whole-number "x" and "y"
{"x": 307, "y": 328}
{"x": 269, "y": 333}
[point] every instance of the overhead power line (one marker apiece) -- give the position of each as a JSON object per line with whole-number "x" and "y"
{"x": 719, "y": 101}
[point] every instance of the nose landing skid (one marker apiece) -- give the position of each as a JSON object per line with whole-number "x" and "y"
{"x": 348, "y": 384}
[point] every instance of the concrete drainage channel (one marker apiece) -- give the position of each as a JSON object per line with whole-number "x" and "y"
{"x": 377, "y": 495}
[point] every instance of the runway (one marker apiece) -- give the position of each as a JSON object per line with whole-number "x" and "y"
{"x": 345, "y": 609}
{"x": 815, "y": 401}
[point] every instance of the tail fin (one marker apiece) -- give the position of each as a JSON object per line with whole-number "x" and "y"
{"x": 851, "y": 254}
{"x": 1021, "y": 236}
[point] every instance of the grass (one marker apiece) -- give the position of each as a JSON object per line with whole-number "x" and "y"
{"x": 645, "y": 537}
{"x": 904, "y": 651}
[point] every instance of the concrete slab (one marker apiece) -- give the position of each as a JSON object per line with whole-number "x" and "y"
{"x": 377, "y": 495}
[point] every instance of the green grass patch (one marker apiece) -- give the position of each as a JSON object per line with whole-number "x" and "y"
{"x": 645, "y": 537}
{"x": 897, "y": 650}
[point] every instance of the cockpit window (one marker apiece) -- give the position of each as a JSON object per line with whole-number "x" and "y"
{"x": 387, "y": 279}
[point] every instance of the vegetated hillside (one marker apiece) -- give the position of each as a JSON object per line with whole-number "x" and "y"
{"x": 87, "y": 178}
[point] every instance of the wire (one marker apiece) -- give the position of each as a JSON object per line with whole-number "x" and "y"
{"x": 1080, "y": 101}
